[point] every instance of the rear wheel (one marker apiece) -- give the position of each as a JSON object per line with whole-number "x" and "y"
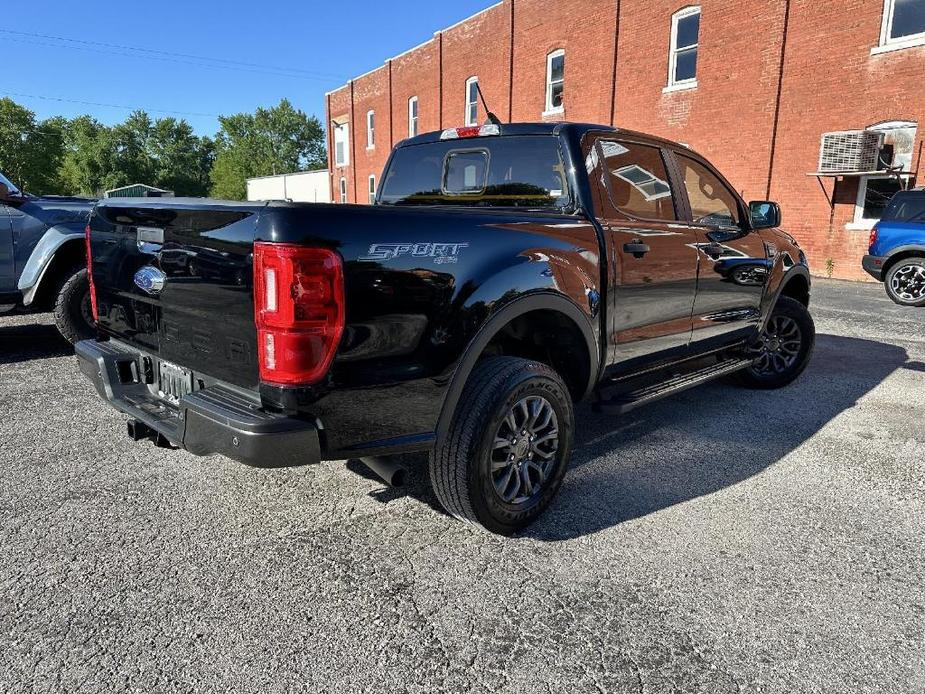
{"x": 905, "y": 282}
{"x": 783, "y": 350}
{"x": 73, "y": 310}
{"x": 506, "y": 452}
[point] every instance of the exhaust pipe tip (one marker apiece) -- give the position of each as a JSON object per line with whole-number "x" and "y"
{"x": 138, "y": 431}
{"x": 391, "y": 473}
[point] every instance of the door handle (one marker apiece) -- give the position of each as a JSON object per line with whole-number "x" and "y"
{"x": 637, "y": 249}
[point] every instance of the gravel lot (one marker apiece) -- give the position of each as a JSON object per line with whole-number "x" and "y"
{"x": 720, "y": 541}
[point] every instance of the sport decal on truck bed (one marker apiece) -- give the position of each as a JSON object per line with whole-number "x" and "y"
{"x": 442, "y": 253}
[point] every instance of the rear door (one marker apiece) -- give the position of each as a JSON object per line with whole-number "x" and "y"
{"x": 7, "y": 269}
{"x": 654, "y": 256}
{"x": 734, "y": 262}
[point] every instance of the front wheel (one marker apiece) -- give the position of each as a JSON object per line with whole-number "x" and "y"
{"x": 506, "y": 452}
{"x": 73, "y": 311}
{"x": 783, "y": 350}
{"x": 905, "y": 282}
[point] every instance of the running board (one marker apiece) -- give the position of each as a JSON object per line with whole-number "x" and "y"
{"x": 630, "y": 400}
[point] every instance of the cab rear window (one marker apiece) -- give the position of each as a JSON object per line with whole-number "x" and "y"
{"x": 513, "y": 171}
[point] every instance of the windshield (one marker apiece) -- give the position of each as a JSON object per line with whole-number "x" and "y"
{"x": 905, "y": 207}
{"x": 9, "y": 184}
{"x": 511, "y": 171}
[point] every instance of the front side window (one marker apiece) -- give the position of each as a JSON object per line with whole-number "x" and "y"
{"x": 413, "y": 116}
{"x": 555, "y": 81}
{"x": 343, "y": 190}
{"x": 685, "y": 39}
{"x": 513, "y": 171}
{"x": 372, "y": 189}
{"x": 903, "y": 20}
{"x": 472, "y": 101}
{"x": 341, "y": 150}
{"x": 370, "y": 129}
{"x": 712, "y": 203}
{"x": 637, "y": 180}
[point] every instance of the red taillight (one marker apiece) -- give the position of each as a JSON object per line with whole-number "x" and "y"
{"x": 873, "y": 238}
{"x": 299, "y": 311}
{"x": 93, "y": 306}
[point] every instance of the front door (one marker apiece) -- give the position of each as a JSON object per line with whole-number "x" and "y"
{"x": 7, "y": 266}
{"x": 734, "y": 263}
{"x": 653, "y": 255}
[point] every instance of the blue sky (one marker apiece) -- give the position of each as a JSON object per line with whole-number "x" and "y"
{"x": 72, "y": 51}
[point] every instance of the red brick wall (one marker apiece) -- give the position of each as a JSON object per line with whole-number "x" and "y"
{"x": 824, "y": 71}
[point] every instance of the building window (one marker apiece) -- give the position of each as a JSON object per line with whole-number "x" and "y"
{"x": 341, "y": 148}
{"x": 343, "y": 190}
{"x": 413, "y": 116}
{"x": 472, "y": 101}
{"x": 555, "y": 81}
{"x": 874, "y": 194}
{"x": 372, "y": 189}
{"x": 685, "y": 38}
{"x": 903, "y": 23}
{"x": 370, "y": 129}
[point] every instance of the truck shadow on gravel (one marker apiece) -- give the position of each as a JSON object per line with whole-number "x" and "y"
{"x": 690, "y": 445}
{"x": 21, "y": 343}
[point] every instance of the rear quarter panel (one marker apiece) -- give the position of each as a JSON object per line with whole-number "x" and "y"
{"x": 420, "y": 284}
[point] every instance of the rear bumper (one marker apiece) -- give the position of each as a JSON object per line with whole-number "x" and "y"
{"x": 873, "y": 265}
{"x": 208, "y": 421}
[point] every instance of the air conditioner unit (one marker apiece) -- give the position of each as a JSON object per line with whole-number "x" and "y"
{"x": 850, "y": 151}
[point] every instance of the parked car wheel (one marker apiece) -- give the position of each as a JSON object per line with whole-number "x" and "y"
{"x": 905, "y": 282}
{"x": 507, "y": 450}
{"x": 73, "y": 311}
{"x": 784, "y": 348}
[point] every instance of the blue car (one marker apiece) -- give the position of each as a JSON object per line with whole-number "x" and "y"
{"x": 897, "y": 248}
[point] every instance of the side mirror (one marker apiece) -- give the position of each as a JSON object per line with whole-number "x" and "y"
{"x": 764, "y": 214}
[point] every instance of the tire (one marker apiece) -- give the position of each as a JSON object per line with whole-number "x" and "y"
{"x": 73, "y": 316}
{"x": 905, "y": 282}
{"x": 784, "y": 348}
{"x": 462, "y": 463}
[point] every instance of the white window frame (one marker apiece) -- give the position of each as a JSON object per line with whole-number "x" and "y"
{"x": 344, "y": 129}
{"x": 860, "y": 223}
{"x": 673, "y": 50}
{"x": 371, "y": 187}
{"x": 343, "y": 190}
{"x": 370, "y": 129}
{"x": 550, "y": 109}
{"x": 469, "y": 104}
{"x": 888, "y": 44}
{"x": 413, "y": 106}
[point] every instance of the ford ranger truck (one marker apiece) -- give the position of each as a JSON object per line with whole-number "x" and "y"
{"x": 504, "y": 274}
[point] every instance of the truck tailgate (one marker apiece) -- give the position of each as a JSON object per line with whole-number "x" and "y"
{"x": 175, "y": 279}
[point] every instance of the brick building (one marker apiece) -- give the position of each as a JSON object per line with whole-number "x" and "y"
{"x": 751, "y": 84}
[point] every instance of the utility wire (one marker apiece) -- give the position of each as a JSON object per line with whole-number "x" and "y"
{"x": 169, "y": 56}
{"x": 119, "y": 106}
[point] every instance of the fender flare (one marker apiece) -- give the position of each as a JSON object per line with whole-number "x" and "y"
{"x": 795, "y": 271}
{"x": 903, "y": 249}
{"x": 44, "y": 252}
{"x": 525, "y": 304}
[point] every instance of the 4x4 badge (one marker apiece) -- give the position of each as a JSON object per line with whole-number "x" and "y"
{"x": 150, "y": 280}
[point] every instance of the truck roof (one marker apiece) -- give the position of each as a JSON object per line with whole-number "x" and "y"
{"x": 558, "y": 128}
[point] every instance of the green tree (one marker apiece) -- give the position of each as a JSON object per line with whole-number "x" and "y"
{"x": 181, "y": 160}
{"x": 88, "y": 156}
{"x": 270, "y": 141}
{"x": 30, "y": 152}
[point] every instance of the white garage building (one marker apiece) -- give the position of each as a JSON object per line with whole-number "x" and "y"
{"x": 304, "y": 186}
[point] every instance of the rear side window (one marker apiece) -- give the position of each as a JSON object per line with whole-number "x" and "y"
{"x": 906, "y": 207}
{"x": 637, "y": 180}
{"x": 512, "y": 171}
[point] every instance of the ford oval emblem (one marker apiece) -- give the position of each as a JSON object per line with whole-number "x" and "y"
{"x": 150, "y": 280}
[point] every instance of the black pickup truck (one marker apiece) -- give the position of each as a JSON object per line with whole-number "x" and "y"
{"x": 505, "y": 273}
